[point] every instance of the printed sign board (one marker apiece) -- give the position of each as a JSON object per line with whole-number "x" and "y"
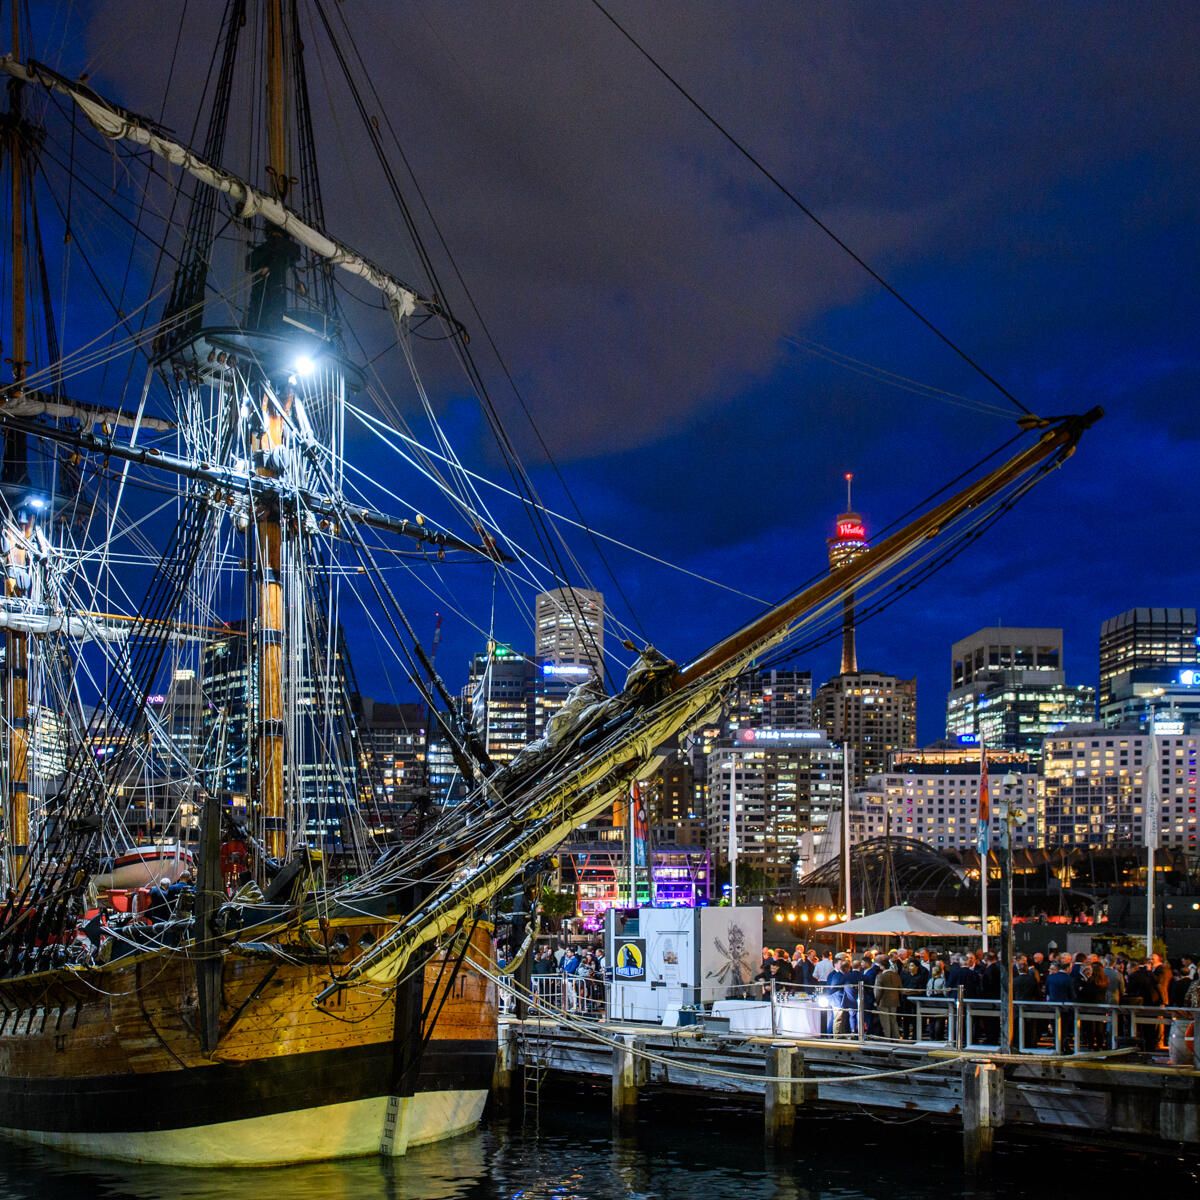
{"x": 629, "y": 959}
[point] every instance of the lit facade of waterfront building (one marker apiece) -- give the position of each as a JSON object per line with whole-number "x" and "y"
{"x": 778, "y": 784}
{"x": 393, "y": 740}
{"x": 873, "y": 713}
{"x": 932, "y": 794}
{"x": 552, "y": 684}
{"x": 446, "y": 784}
{"x": 328, "y": 787}
{"x": 1095, "y": 787}
{"x": 1009, "y": 690}
{"x": 1145, "y": 637}
{"x": 697, "y": 746}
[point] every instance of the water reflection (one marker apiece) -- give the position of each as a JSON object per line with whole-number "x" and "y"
{"x": 683, "y": 1148}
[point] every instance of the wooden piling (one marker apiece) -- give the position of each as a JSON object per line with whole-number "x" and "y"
{"x": 779, "y": 1102}
{"x": 629, "y": 1071}
{"x": 982, "y": 1112}
{"x": 506, "y": 1065}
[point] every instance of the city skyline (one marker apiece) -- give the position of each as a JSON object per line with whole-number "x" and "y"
{"x": 1052, "y": 245}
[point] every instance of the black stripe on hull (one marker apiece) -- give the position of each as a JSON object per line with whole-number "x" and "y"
{"x": 234, "y": 1091}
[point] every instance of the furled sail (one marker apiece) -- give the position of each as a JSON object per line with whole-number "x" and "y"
{"x": 120, "y": 125}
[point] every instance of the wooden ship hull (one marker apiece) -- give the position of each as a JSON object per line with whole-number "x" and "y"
{"x": 105, "y": 1061}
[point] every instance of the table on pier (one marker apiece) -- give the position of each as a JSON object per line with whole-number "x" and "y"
{"x": 802, "y": 1019}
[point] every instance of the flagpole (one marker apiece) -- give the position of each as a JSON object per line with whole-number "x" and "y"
{"x": 985, "y": 840}
{"x": 732, "y": 848}
{"x": 847, "y": 897}
{"x": 983, "y": 886}
{"x": 1149, "y": 901}
{"x": 631, "y": 859}
{"x": 1151, "y": 811}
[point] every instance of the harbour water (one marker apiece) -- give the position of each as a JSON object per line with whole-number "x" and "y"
{"x": 683, "y": 1149}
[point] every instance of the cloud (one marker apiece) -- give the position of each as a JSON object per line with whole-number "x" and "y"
{"x": 635, "y": 271}
{"x": 1026, "y": 174}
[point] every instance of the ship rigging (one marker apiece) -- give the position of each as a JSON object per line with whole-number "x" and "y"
{"x": 320, "y": 982}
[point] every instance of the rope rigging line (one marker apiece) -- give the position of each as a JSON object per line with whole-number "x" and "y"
{"x": 785, "y": 191}
{"x": 547, "y": 536}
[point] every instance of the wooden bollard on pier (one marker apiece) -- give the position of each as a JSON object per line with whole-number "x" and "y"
{"x": 629, "y": 1071}
{"x": 785, "y": 1065}
{"x": 982, "y": 1111}
{"x": 506, "y": 1065}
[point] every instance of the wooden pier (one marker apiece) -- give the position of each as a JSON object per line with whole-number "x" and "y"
{"x": 1084, "y": 1097}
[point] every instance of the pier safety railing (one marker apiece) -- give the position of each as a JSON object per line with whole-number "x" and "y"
{"x": 850, "y": 1013}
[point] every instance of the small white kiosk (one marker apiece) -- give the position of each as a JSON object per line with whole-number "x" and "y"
{"x": 666, "y": 959}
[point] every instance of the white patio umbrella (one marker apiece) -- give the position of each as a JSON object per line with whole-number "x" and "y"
{"x": 902, "y": 920}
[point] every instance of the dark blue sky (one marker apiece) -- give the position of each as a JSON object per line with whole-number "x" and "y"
{"x": 1025, "y": 174}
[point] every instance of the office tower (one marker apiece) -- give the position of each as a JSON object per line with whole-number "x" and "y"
{"x": 1009, "y": 690}
{"x": 1166, "y": 699}
{"x": 1095, "y": 789}
{"x": 225, "y": 671}
{"x": 393, "y": 739}
{"x": 848, "y": 542}
{"x": 671, "y": 803}
{"x": 552, "y": 684}
{"x": 446, "y": 784}
{"x": 870, "y": 712}
{"x": 500, "y": 695}
{"x": 769, "y": 698}
{"x": 1145, "y": 638}
{"x": 329, "y": 791}
{"x": 181, "y": 712}
{"x": 569, "y": 628}
{"x": 775, "y": 785}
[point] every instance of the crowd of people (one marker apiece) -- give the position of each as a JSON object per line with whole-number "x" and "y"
{"x": 570, "y": 977}
{"x": 881, "y": 988}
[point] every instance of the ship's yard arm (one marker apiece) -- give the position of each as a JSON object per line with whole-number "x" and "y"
{"x": 118, "y": 124}
{"x": 535, "y": 823}
{"x": 237, "y": 482}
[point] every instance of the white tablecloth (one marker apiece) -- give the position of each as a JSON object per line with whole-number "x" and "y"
{"x": 802, "y": 1019}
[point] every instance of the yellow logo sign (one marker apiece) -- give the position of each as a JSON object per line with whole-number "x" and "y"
{"x": 631, "y": 960}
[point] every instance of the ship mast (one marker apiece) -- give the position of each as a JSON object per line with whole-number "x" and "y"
{"x": 15, "y": 478}
{"x": 274, "y": 259}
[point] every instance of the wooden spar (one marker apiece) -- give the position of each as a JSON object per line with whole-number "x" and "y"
{"x": 596, "y": 777}
{"x": 236, "y": 483}
{"x": 1059, "y": 437}
{"x": 17, "y": 643}
{"x": 277, "y": 164}
{"x": 267, "y": 524}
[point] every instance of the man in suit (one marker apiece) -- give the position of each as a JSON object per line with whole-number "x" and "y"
{"x": 834, "y": 984}
{"x": 960, "y": 975}
{"x": 888, "y": 991}
{"x": 1143, "y": 988}
{"x": 1025, "y": 988}
{"x": 852, "y": 977}
{"x": 1060, "y": 986}
{"x": 781, "y": 967}
{"x": 873, "y": 971}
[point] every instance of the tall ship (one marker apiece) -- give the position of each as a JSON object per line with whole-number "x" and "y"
{"x": 215, "y": 949}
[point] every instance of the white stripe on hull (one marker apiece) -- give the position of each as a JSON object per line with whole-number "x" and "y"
{"x": 350, "y": 1130}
